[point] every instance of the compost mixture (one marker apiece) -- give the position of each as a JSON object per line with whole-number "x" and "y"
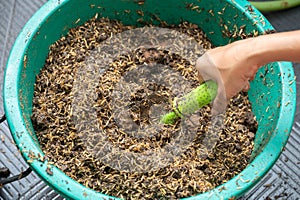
{"x": 60, "y": 139}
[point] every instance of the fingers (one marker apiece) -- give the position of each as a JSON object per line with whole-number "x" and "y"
{"x": 220, "y": 102}
{"x": 246, "y": 87}
{"x": 219, "y": 107}
{"x": 207, "y": 70}
{"x": 200, "y": 78}
{"x": 202, "y": 67}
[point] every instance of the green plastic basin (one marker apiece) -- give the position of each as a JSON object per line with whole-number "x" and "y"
{"x": 272, "y": 92}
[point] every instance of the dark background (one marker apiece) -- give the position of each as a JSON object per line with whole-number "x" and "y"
{"x": 282, "y": 182}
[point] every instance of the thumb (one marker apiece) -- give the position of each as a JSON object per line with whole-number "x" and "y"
{"x": 220, "y": 102}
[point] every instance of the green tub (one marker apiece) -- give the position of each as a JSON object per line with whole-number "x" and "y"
{"x": 272, "y": 93}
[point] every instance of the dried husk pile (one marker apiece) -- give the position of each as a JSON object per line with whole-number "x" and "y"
{"x": 189, "y": 174}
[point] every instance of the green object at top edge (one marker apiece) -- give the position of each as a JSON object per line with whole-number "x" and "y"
{"x": 272, "y": 94}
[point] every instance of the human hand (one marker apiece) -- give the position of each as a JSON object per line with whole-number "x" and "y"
{"x": 231, "y": 67}
{"x": 234, "y": 65}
